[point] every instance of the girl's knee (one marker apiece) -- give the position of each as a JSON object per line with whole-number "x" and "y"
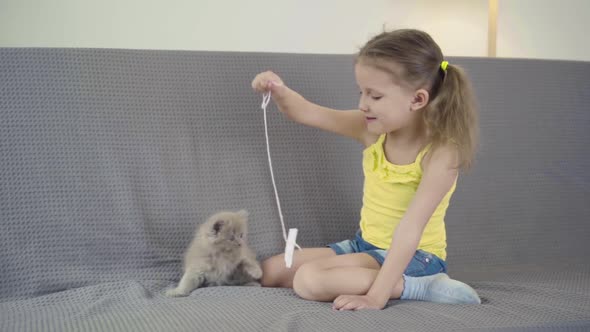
{"x": 273, "y": 273}
{"x": 306, "y": 282}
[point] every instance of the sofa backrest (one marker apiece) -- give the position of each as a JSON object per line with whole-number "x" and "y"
{"x": 109, "y": 159}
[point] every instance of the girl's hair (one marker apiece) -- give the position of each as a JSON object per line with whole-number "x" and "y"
{"x": 451, "y": 113}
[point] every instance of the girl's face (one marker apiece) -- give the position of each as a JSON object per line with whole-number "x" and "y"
{"x": 387, "y": 105}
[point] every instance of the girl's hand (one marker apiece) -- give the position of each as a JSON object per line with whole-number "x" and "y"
{"x": 268, "y": 81}
{"x": 356, "y": 302}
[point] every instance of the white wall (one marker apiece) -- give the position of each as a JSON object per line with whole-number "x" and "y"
{"x": 327, "y": 26}
{"x": 302, "y": 26}
{"x": 460, "y": 27}
{"x": 526, "y": 28}
{"x": 546, "y": 29}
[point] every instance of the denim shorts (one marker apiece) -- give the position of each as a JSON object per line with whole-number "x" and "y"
{"x": 422, "y": 264}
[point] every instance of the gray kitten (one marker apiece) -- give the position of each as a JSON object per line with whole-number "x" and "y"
{"x": 219, "y": 255}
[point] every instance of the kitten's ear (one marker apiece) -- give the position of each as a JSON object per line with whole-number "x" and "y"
{"x": 243, "y": 213}
{"x": 217, "y": 226}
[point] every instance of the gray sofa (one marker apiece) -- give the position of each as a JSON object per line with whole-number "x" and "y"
{"x": 109, "y": 159}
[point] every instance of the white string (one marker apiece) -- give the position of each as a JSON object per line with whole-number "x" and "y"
{"x": 265, "y": 102}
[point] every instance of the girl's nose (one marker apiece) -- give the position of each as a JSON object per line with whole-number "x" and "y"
{"x": 363, "y": 105}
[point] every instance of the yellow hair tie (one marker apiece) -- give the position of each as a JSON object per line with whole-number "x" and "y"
{"x": 444, "y": 65}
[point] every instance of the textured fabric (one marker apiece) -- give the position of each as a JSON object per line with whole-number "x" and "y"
{"x": 388, "y": 191}
{"x": 109, "y": 159}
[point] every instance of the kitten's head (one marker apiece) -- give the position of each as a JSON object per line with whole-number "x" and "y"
{"x": 226, "y": 229}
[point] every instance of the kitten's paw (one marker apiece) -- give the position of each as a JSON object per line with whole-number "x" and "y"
{"x": 175, "y": 292}
{"x": 254, "y": 271}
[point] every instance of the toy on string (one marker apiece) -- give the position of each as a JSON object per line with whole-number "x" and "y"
{"x": 290, "y": 240}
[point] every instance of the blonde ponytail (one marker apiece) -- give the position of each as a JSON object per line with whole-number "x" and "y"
{"x": 451, "y": 116}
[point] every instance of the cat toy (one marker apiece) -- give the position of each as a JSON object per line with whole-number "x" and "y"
{"x": 290, "y": 242}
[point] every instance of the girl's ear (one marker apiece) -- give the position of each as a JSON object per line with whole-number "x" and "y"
{"x": 420, "y": 99}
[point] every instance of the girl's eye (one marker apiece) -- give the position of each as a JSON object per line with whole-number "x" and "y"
{"x": 376, "y": 98}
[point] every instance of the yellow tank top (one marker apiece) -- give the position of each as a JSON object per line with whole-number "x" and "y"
{"x": 388, "y": 191}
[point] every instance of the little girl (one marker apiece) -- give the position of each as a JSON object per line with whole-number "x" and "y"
{"x": 418, "y": 122}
